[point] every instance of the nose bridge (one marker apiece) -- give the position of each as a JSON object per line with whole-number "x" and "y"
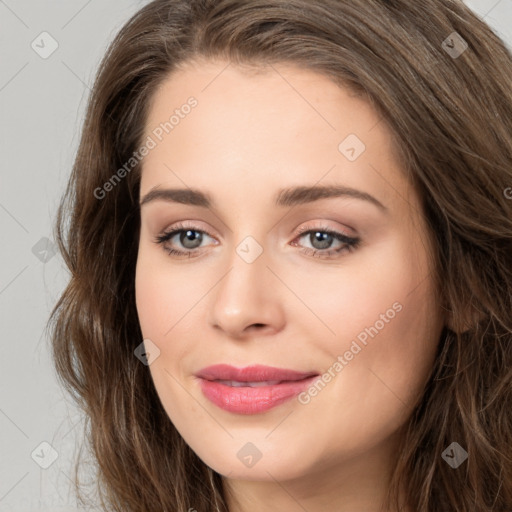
{"x": 245, "y": 296}
{"x": 247, "y": 263}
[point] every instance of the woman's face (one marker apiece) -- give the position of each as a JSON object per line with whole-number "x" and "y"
{"x": 261, "y": 282}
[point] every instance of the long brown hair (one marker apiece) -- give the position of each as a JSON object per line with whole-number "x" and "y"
{"x": 451, "y": 120}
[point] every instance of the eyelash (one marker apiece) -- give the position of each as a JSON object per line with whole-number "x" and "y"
{"x": 350, "y": 243}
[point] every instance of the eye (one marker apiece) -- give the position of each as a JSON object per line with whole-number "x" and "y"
{"x": 189, "y": 237}
{"x": 322, "y": 238}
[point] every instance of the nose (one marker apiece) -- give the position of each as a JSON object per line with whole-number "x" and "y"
{"x": 248, "y": 299}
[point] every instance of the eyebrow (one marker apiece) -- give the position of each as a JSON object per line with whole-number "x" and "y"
{"x": 286, "y": 197}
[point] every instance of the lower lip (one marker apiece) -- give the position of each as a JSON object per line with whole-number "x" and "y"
{"x": 247, "y": 400}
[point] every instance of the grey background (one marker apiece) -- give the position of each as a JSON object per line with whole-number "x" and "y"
{"x": 42, "y": 103}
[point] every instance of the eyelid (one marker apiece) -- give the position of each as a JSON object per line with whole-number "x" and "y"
{"x": 323, "y": 228}
{"x": 182, "y": 226}
{"x": 186, "y": 224}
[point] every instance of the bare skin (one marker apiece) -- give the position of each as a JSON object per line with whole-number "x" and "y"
{"x": 251, "y": 135}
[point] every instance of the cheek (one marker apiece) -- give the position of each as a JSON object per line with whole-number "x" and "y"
{"x": 167, "y": 303}
{"x": 387, "y": 324}
{"x": 152, "y": 300}
{"x": 160, "y": 305}
{"x": 154, "y": 296}
{"x": 383, "y": 299}
{"x": 352, "y": 296}
{"x": 160, "y": 296}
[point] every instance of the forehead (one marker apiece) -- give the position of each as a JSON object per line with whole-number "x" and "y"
{"x": 262, "y": 100}
{"x": 262, "y": 129}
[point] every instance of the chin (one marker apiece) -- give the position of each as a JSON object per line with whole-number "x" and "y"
{"x": 266, "y": 464}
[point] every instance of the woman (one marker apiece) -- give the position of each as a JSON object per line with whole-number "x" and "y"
{"x": 289, "y": 232}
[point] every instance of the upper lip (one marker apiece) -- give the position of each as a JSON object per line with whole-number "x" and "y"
{"x": 253, "y": 373}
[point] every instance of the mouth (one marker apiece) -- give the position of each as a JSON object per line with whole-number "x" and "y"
{"x": 255, "y": 374}
{"x": 253, "y": 389}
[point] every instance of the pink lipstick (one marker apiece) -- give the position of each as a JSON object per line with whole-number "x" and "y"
{"x": 253, "y": 389}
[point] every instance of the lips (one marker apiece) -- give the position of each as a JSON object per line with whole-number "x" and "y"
{"x": 251, "y": 390}
{"x": 251, "y": 374}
